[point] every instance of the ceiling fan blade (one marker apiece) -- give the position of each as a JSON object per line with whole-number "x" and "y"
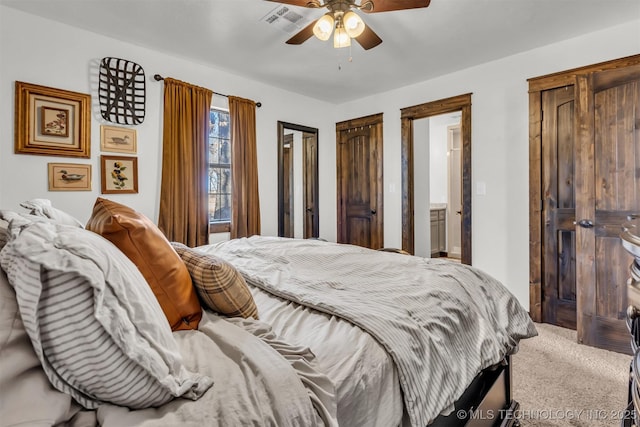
{"x": 374, "y": 6}
{"x": 368, "y": 39}
{"x": 302, "y": 3}
{"x": 303, "y": 35}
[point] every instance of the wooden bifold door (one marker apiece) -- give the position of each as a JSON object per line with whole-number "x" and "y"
{"x": 585, "y": 181}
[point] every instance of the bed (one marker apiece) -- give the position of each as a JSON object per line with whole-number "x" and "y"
{"x": 339, "y": 339}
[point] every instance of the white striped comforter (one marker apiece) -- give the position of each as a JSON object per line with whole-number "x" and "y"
{"x": 441, "y": 322}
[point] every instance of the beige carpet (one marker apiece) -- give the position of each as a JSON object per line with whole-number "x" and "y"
{"x": 559, "y": 382}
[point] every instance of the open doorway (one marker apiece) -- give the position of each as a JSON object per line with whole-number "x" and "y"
{"x": 437, "y": 185}
{"x": 454, "y": 188}
{"x": 412, "y": 206}
{"x": 297, "y": 181}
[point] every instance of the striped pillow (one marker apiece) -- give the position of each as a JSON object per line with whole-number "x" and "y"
{"x": 93, "y": 321}
{"x": 218, "y": 284}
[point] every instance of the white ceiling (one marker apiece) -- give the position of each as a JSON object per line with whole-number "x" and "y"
{"x": 418, "y": 44}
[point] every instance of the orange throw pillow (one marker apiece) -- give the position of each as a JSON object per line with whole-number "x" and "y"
{"x": 145, "y": 245}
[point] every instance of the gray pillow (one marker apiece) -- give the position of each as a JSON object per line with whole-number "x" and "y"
{"x": 93, "y": 321}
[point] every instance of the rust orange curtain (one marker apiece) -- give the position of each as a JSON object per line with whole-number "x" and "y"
{"x": 245, "y": 211}
{"x": 184, "y": 192}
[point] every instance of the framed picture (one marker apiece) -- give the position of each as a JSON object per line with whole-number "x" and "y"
{"x": 118, "y": 139}
{"x": 52, "y": 122}
{"x": 119, "y": 174}
{"x": 69, "y": 177}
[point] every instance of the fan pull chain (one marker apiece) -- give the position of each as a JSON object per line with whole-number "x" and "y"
{"x": 339, "y": 55}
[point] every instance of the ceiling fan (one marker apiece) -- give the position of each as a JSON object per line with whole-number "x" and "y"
{"x": 344, "y": 23}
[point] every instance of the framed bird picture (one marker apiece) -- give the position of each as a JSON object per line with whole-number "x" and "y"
{"x": 116, "y": 139}
{"x": 51, "y": 121}
{"x": 119, "y": 174}
{"x": 69, "y": 177}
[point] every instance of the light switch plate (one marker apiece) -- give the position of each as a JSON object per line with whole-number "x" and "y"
{"x": 481, "y": 188}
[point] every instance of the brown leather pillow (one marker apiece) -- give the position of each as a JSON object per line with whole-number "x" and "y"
{"x": 145, "y": 245}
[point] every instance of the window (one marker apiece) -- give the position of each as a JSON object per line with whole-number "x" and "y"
{"x": 219, "y": 171}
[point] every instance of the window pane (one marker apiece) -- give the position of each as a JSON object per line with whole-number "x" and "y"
{"x": 219, "y": 167}
{"x": 219, "y": 151}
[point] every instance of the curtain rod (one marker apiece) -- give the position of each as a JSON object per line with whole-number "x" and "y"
{"x": 158, "y": 77}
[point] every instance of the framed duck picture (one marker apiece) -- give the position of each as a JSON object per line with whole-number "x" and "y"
{"x": 69, "y": 177}
{"x": 117, "y": 139}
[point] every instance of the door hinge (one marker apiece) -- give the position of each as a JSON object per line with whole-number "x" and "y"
{"x": 541, "y": 115}
{"x": 541, "y": 204}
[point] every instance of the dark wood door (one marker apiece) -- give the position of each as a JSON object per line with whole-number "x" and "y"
{"x": 607, "y": 190}
{"x": 310, "y": 192}
{"x": 359, "y": 180}
{"x": 558, "y": 207}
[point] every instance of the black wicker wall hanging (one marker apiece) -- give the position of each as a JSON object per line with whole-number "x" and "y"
{"x": 121, "y": 91}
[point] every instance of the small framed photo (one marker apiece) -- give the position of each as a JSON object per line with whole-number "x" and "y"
{"x": 69, "y": 177}
{"x": 116, "y": 139}
{"x": 119, "y": 174}
{"x": 52, "y": 122}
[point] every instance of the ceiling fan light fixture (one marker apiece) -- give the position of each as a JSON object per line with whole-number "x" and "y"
{"x": 341, "y": 38}
{"x": 323, "y": 27}
{"x": 353, "y": 24}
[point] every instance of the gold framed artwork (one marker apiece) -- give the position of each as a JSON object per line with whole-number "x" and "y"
{"x": 118, "y": 139}
{"x": 52, "y": 122}
{"x": 119, "y": 174}
{"x": 69, "y": 177}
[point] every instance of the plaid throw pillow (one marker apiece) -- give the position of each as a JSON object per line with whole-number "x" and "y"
{"x": 218, "y": 284}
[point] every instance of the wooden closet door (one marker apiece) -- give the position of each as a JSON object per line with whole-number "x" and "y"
{"x": 607, "y": 190}
{"x": 558, "y": 207}
{"x": 359, "y": 170}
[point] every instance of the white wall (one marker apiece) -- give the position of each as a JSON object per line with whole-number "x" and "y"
{"x": 56, "y": 55}
{"x": 499, "y": 129}
{"x": 500, "y": 146}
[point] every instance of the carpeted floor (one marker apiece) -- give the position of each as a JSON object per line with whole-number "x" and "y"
{"x": 559, "y": 382}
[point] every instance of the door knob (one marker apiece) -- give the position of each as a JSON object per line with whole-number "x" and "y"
{"x": 584, "y": 223}
{"x": 458, "y": 212}
{"x": 373, "y": 211}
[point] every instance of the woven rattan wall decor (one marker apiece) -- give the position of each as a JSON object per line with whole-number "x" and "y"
{"x": 121, "y": 91}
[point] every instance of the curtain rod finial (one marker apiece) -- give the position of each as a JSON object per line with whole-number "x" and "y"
{"x": 157, "y": 77}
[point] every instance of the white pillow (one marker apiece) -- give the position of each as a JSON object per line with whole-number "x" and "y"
{"x": 93, "y": 321}
{"x": 43, "y": 207}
